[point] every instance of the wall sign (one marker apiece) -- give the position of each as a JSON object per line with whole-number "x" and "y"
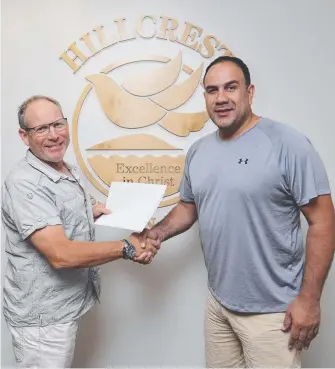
{"x": 142, "y": 94}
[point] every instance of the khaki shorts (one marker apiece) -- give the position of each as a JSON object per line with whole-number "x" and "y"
{"x": 246, "y": 340}
{"x": 51, "y": 346}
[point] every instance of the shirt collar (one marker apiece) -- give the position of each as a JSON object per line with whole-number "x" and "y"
{"x": 46, "y": 169}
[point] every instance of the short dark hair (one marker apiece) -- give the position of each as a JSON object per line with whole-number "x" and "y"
{"x": 240, "y": 63}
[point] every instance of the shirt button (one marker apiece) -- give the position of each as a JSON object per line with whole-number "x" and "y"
{"x": 39, "y": 220}
{"x": 30, "y": 196}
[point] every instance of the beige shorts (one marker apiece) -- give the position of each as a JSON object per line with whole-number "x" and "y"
{"x": 51, "y": 346}
{"x": 246, "y": 340}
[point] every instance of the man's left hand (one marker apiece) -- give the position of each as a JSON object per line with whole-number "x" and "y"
{"x": 98, "y": 209}
{"x": 303, "y": 319}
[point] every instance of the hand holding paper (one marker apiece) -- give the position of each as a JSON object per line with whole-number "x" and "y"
{"x": 99, "y": 209}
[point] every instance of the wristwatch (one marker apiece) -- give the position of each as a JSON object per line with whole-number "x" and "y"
{"x": 129, "y": 251}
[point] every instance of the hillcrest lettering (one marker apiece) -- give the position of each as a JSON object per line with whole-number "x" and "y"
{"x": 148, "y": 26}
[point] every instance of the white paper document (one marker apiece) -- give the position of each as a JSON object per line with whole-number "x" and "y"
{"x": 132, "y": 205}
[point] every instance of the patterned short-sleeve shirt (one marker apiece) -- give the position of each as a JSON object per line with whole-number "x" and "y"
{"x": 35, "y": 196}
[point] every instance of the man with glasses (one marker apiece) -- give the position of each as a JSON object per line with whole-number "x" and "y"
{"x": 51, "y": 277}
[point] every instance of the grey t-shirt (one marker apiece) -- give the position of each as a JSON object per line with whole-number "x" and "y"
{"x": 247, "y": 193}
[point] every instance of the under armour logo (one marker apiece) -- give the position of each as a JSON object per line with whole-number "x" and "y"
{"x": 245, "y": 161}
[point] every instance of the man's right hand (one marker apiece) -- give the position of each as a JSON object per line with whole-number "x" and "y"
{"x": 149, "y": 237}
{"x": 145, "y": 250}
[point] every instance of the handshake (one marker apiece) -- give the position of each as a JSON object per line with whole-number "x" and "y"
{"x": 147, "y": 243}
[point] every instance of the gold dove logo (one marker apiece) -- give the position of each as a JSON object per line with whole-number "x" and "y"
{"x": 141, "y": 100}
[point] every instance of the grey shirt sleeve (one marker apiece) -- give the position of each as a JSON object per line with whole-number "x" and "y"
{"x": 305, "y": 173}
{"x": 30, "y": 208}
{"x": 185, "y": 187}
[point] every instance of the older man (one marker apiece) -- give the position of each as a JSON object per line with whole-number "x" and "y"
{"x": 51, "y": 277}
{"x": 247, "y": 184}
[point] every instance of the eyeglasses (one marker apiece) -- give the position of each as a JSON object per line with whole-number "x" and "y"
{"x": 44, "y": 129}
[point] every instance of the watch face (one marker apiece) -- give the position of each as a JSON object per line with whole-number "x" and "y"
{"x": 129, "y": 250}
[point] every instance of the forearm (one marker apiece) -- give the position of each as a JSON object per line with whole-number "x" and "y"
{"x": 64, "y": 253}
{"x": 77, "y": 254}
{"x": 179, "y": 220}
{"x": 319, "y": 255}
